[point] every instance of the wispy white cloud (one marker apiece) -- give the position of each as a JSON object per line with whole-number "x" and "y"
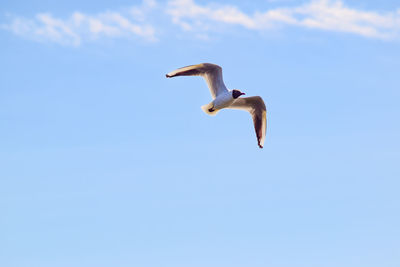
{"x": 201, "y": 19}
{"x": 81, "y": 27}
{"x": 328, "y": 15}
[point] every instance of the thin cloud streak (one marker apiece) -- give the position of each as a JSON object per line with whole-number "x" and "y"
{"x": 81, "y": 27}
{"x": 325, "y": 15}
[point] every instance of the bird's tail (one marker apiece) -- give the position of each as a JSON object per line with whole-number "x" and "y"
{"x": 209, "y": 109}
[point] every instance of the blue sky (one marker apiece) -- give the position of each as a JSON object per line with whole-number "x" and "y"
{"x": 105, "y": 162}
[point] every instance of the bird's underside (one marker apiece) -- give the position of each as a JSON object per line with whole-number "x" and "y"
{"x": 213, "y": 75}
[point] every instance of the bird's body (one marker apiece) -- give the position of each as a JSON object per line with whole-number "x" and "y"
{"x": 224, "y": 98}
{"x": 222, "y": 101}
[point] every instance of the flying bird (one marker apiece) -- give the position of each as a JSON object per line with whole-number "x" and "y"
{"x": 224, "y": 98}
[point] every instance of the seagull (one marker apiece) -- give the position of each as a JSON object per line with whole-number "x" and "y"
{"x": 224, "y": 98}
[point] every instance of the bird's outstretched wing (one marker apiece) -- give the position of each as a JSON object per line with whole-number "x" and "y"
{"x": 210, "y": 72}
{"x": 255, "y": 105}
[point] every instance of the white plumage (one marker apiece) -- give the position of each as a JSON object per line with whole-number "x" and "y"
{"x": 224, "y": 98}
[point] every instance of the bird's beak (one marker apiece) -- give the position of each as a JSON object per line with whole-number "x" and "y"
{"x": 242, "y": 94}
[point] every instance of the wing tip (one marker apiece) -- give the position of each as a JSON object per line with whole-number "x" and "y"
{"x": 168, "y": 76}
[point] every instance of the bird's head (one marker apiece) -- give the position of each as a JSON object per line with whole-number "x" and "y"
{"x": 236, "y": 93}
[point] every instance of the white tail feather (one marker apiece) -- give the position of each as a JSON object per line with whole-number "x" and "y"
{"x": 206, "y": 107}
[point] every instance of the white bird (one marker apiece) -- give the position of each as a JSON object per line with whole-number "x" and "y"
{"x": 224, "y": 98}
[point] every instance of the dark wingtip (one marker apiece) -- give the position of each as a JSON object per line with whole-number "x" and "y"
{"x": 260, "y": 146}
{"x": 166, "y": 75}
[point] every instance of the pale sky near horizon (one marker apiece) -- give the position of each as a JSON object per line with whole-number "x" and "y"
{"x": 105, "y": 162}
